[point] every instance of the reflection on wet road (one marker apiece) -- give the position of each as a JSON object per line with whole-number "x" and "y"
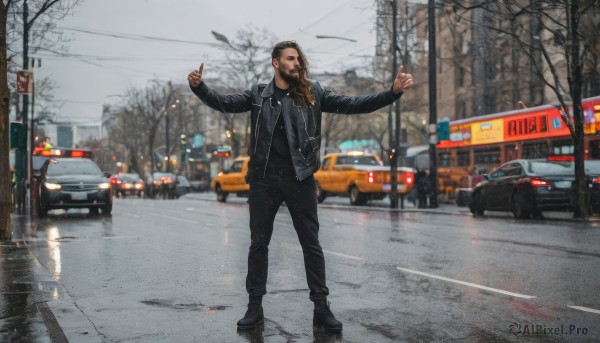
{"x": 175, "y": 271}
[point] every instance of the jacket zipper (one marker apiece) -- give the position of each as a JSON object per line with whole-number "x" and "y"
{"x": 271, "y": 138}
{"x": 257, "y": 130}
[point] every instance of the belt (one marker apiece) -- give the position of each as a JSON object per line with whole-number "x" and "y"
{"x": 280, "y": 171}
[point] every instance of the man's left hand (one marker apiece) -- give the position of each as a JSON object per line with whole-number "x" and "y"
{"x": 402, "y": 81}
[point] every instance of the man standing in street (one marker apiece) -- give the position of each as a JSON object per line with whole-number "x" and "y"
{"x": 284, "y": 154}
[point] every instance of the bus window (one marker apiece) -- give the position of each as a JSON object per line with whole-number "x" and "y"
{"x": 462, "y": 158}
{"x": 444, "y": 158}
{"x": 535, "y": 150}
{"x": 562, "y": 147}
{"x": 594, "y": 150}
{"x": 490, "y": 156}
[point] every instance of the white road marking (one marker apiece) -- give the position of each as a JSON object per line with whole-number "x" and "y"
{"x": 586, "y": 309}
{"x": 343, "y": 255}
{"x": 469, "y": 284}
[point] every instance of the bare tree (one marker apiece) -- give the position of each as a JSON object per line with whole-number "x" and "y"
{"x": 247, "y": 62}
{"x": 150, "y": 105}
{"x": 5, "y": 180}
{"x": 560, "y": 39}
{"x": 44, "y": 14}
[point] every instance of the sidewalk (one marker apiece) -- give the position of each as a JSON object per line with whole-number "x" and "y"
{"x": 25, "y": 315}
{"x": 34, "y": 305}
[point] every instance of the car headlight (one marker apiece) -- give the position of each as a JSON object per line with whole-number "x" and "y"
{"x": 52, "y": 186}
{"x": 104, "y": 185}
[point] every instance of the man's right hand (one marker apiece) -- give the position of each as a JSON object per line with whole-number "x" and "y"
{"x": 195, "y": 77}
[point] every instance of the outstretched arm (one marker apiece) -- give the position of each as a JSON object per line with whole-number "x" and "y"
{"x": 233, "y": 103}
{"x": 366, "y": 103}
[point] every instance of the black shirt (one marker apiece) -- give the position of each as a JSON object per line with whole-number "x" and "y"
{"x": 280, "y": 157}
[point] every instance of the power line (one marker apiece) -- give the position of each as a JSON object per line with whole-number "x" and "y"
{"x": 133, "y": 36}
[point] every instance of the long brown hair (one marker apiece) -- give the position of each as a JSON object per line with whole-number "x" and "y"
{"x": 300, "y": 92}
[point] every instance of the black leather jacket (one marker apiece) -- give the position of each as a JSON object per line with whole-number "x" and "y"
{"x": 303, "y": 124}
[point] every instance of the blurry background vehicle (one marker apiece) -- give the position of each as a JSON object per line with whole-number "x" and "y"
{"x": 592, "y": 173}
{"x": 162, "y": 186}
{"x": 232, "y": 180}
{"x": 72, "y": 183}
{"x": 359, "y": 176}
{"x": 183, "y": 186}
{"x": 526, "y": 188}
{"x": 127, "y": 184}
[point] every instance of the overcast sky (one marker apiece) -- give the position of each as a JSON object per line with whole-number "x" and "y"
{"x": 104, "y": 65}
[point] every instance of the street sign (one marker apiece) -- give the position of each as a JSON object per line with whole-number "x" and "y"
{"x": 24, "y": 82}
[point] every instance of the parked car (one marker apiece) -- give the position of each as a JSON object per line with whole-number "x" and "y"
{"x": 592, "y": 172}
{"x": 162, "y": 185}
{"x": 72, "y": 183}
{"x": 526, "y": 188}
{"x": 183, "y": 186}
{"x": 127, "y": 184}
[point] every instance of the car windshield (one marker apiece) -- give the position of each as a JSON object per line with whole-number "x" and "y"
{"x": 72, "y": 167}
{"x": 183, "y": 181}
{"x": 361, "y": 160}
{"x": 129, "y": 178}
{"x": 552, "y": 168}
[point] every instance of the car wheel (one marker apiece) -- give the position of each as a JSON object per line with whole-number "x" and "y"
{"x": 356, "y": 197}
{"x": 519, "y": 206}
{"x": 320, "y": 194}
{"x": 107, "y": 209}
{"x": 94, "y": 210}
{"x": 221, "y": 195}
{"x": 477, "y": 205}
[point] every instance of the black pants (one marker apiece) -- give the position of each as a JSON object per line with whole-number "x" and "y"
{"x": 266, "y": 195}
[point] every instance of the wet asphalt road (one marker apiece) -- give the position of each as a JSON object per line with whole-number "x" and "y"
{"x": 174, "y": 271}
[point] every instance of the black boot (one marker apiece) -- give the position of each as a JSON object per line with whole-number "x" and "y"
{"x": 324, "y": 319}
{"x": 254, "y": 316}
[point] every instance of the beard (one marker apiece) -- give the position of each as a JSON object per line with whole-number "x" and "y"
{"x": 292, "y": 80}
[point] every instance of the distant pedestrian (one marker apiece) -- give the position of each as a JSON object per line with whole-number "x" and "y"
{"x": 284, "y": 154}
{"x": 422, "y": 185}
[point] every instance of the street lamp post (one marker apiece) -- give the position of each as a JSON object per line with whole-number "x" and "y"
{"x": 433, "y": 174}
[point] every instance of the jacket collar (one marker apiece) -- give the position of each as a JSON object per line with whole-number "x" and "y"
{"x": 269, "y": 89}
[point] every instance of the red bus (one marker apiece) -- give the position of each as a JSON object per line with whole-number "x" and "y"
{"x": 479, "y": 144}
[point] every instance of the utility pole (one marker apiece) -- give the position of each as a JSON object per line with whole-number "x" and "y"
{"x": 22, "y": 156}
{"x": 433, "y": 174}
{"x": 395, "y": 146}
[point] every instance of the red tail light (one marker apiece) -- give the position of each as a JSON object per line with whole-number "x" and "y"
{"x": 77, "y": 153}
{"x": 539, "y": 183}
{"x": 596, "y": 180}
{"x": 410, "y": 178}
{"x": 371, "y": 177}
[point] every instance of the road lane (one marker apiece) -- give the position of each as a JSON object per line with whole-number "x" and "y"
{"x": 175, "y": 270}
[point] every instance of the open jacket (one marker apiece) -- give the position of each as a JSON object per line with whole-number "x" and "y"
{"x": 303, "y": 124}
